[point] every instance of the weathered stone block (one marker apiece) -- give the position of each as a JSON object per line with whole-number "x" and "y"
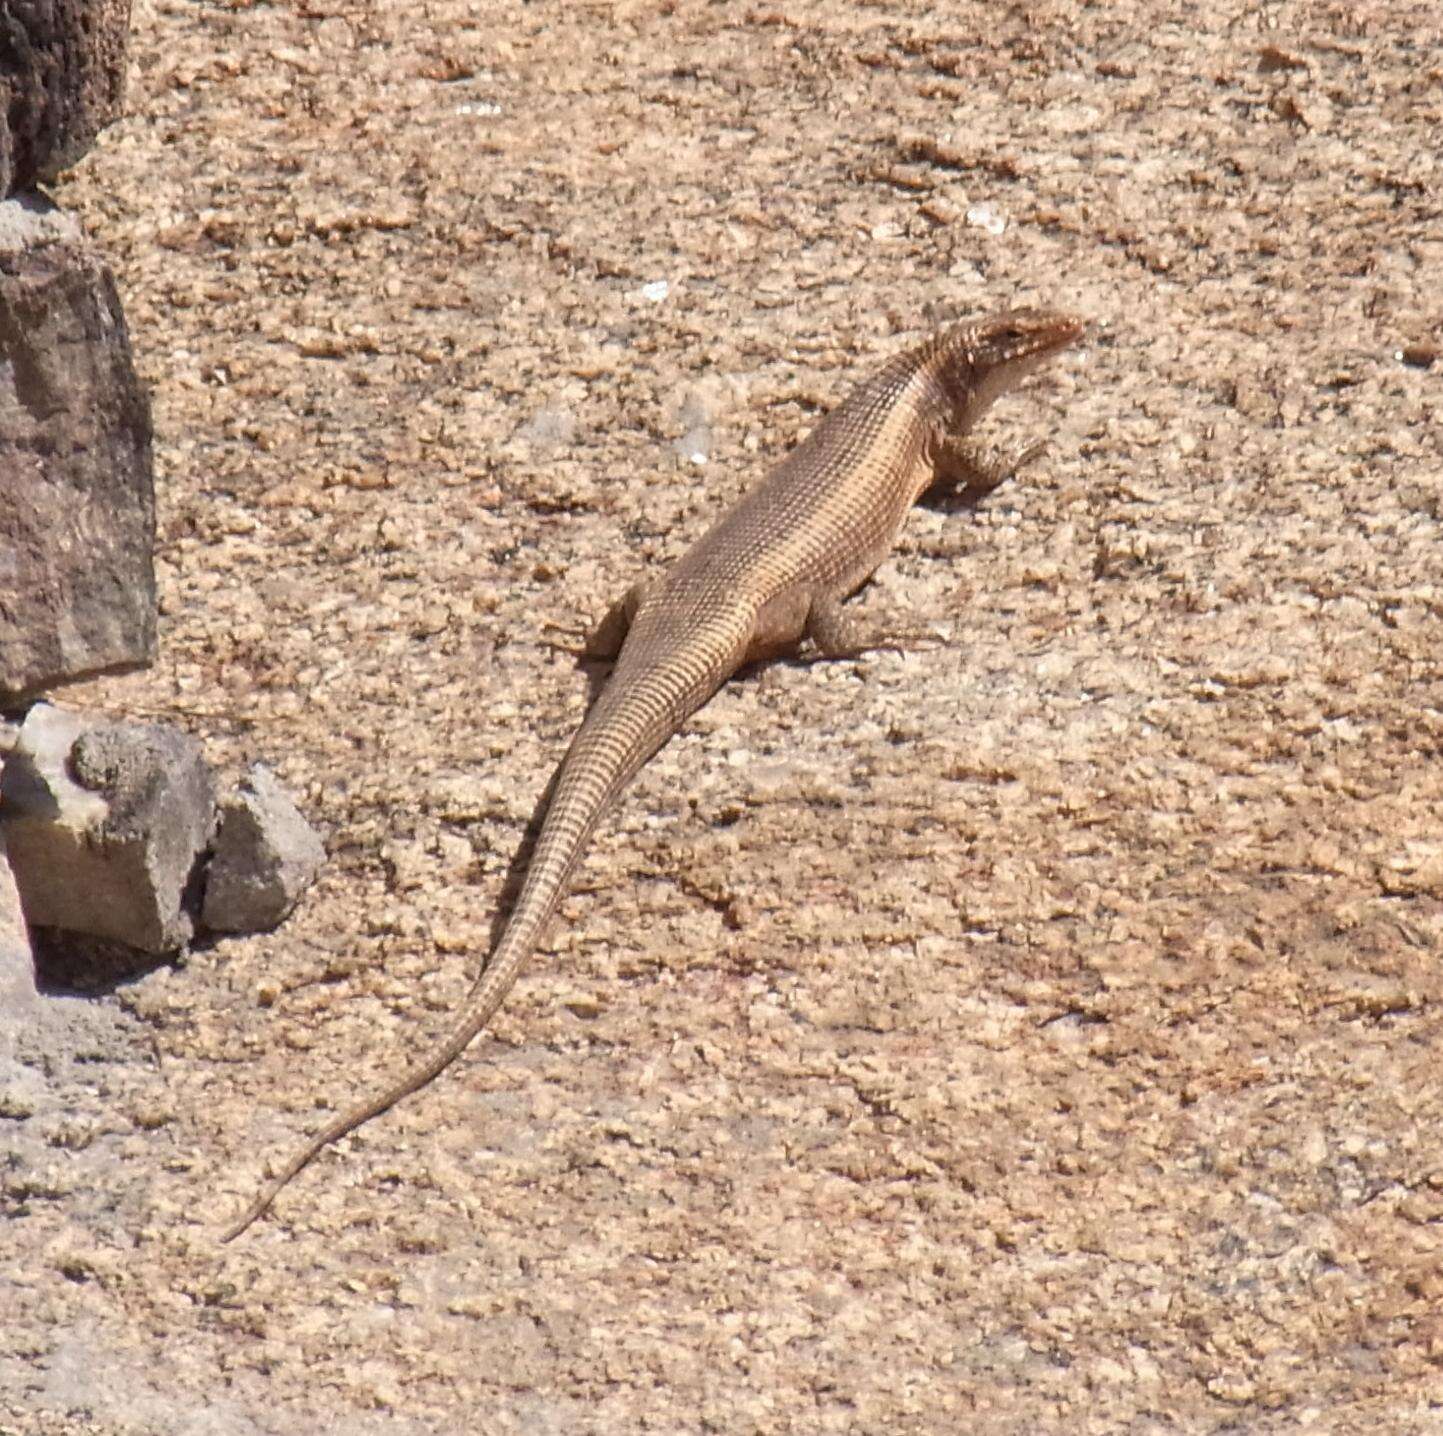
{"x": 105, "y": 825}
{"x": 77, "y": 504}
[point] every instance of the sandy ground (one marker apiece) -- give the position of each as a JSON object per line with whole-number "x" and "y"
{"x": 1037, "y": 1034}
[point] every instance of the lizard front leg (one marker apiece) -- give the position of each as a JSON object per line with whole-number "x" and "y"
{"x": 963, "y": 470}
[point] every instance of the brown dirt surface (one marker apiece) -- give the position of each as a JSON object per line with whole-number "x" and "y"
{"x": 1037, "y": 1034}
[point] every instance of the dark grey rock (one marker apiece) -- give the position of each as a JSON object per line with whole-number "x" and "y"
{"x": 77, "y": 505}
{"x": 62, "y": 80}
{"x": 266, "y": 856}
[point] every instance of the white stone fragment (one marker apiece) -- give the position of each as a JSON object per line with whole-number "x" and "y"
{"x": 986, "y": 217}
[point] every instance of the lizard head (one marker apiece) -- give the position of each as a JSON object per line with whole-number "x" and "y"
{"x": 979, "y": 360}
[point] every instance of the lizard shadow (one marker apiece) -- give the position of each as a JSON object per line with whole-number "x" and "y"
{"x": 515, "y": 874}
{"x": 944, "y": 498}
{"x": 597, "y": 671}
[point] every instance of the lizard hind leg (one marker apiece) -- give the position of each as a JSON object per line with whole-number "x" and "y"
{"x": 606, "y": 638}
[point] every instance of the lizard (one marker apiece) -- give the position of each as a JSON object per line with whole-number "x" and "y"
{"x": 771, "y": 573}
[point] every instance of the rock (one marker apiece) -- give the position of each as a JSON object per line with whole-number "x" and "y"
{"x": 62, "y": 80}
{"x": 17, "y": 962}
{"x": 266, "y": 856}
{"x": 105, "y": 824}
{"x": 77, "y": 505}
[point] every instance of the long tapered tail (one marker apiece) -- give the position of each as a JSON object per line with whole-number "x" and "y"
{"x": 625, "y": 728}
